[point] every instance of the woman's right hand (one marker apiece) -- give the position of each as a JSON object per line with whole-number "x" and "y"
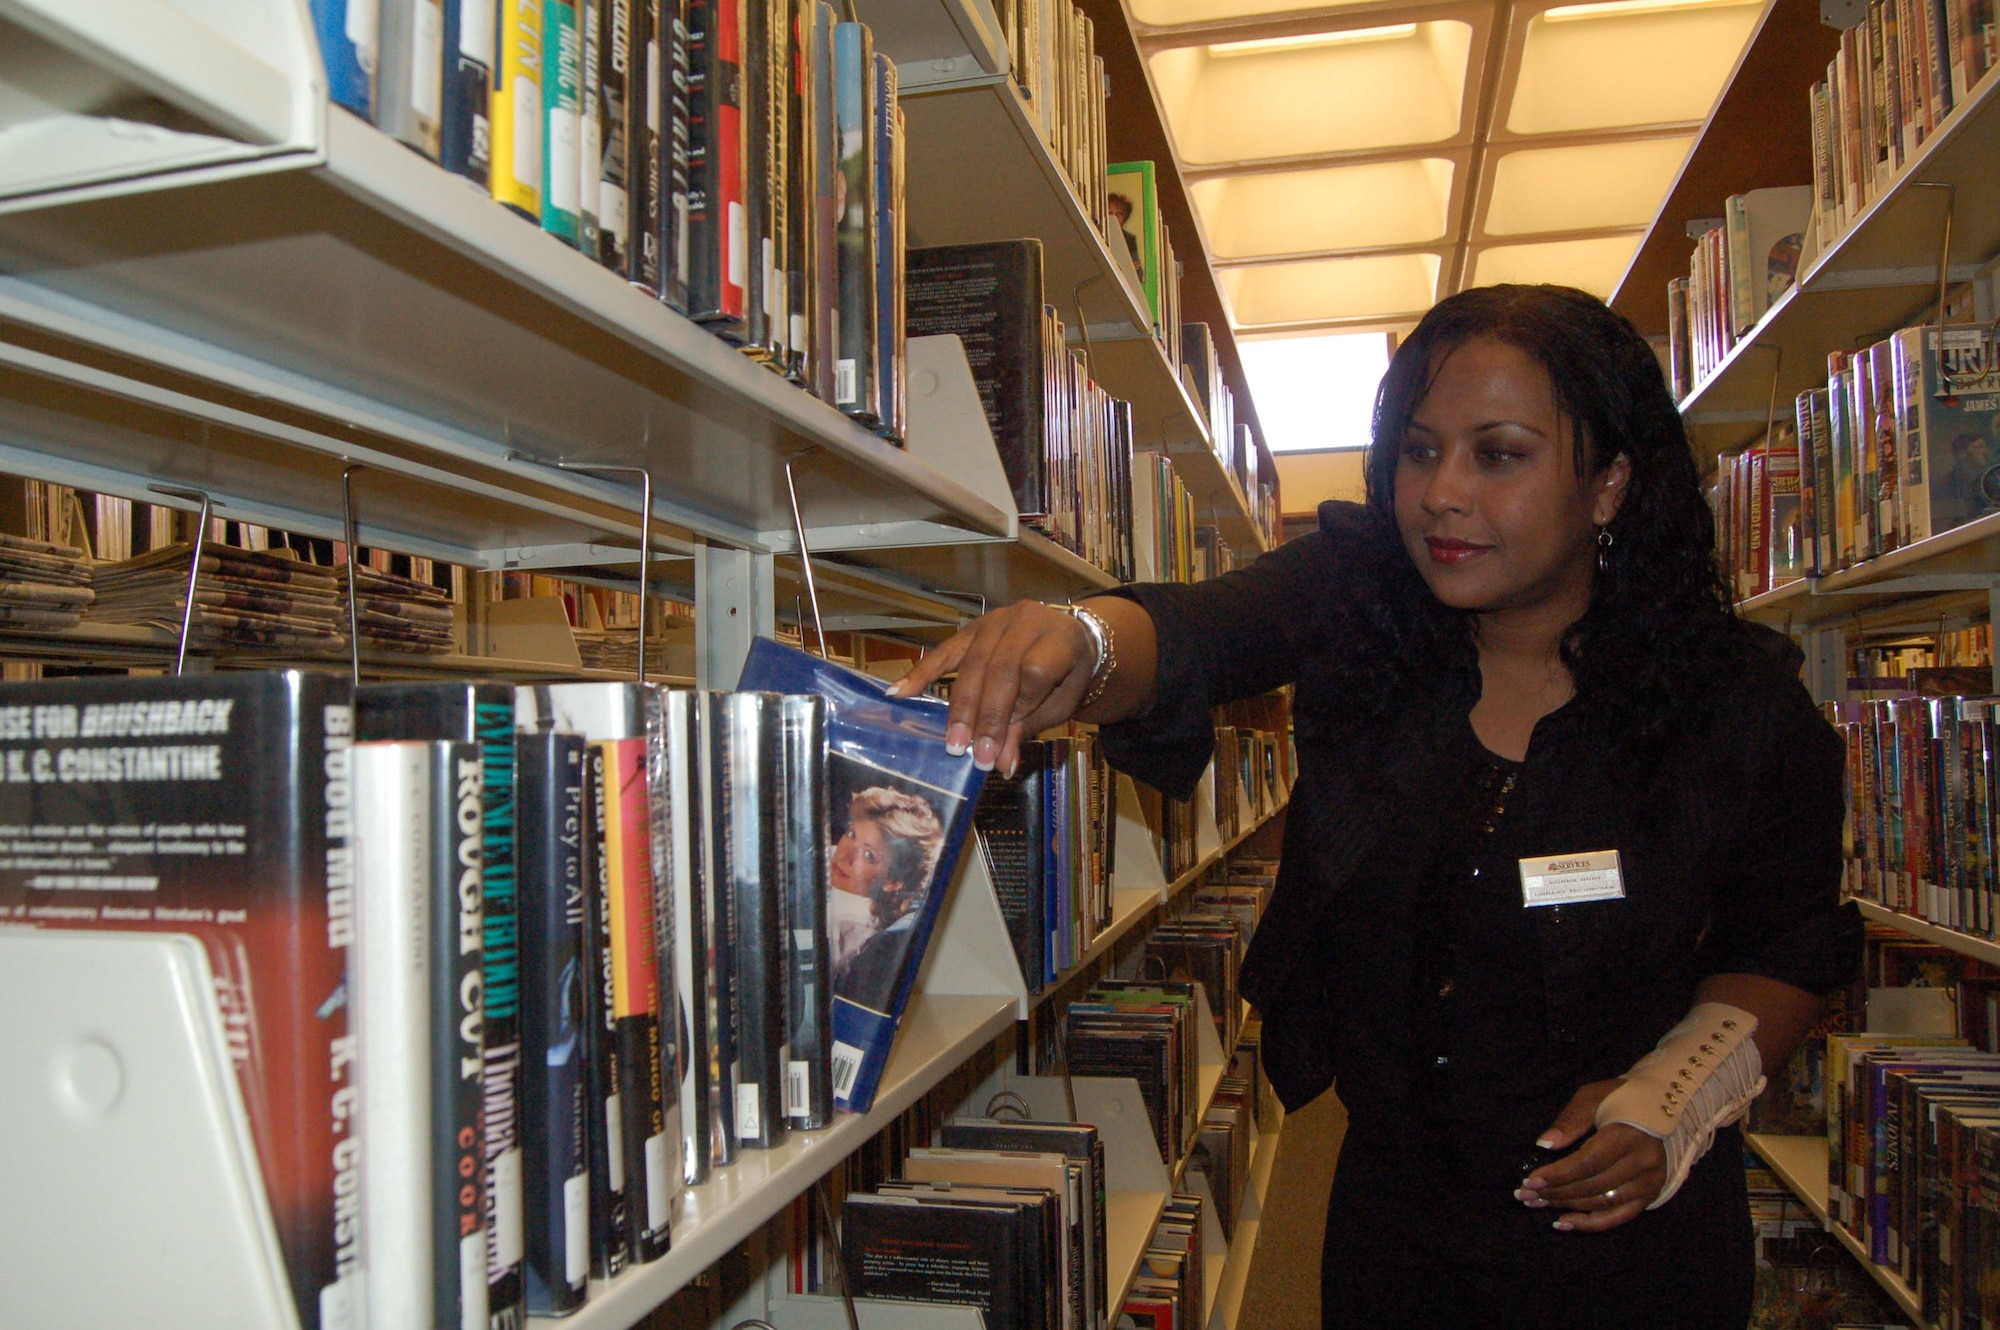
{"x": 1020, "y": 670}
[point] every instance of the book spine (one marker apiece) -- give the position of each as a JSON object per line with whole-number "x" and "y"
{"x": 674, "y": 143}
{"x": 685, "y": 876}
{"x": 855, "y": 383}
{"x": 717, "y": 227}
{"x": 801, "y": 191}
{"x": 501, "y": 1035}
{"x": 515, "y": 170}
{"x": 562, "y": 85}
{"x": 650, "y": 1179}
{"x": 553, "y": 1010}
{"x": 809, "y": 1015}
{"x": 590, "y": 124}
{"x": 763, "y": 187}
{"x": 718, "y": 908}
{"x": 747, "y": 808}
{"x": 645, "y": 89}
{"x": 465, "y": 135}
{"x": 610, "y": 1220}
{"x": 458, "y": 944}
{"x": 409, "y": 90}
{"x": 349, "y": 36}
{"x": 615, "y": 88}
{"x": 391, "y": 977}
{"x": 826, "y": 203}
{"x": 889, "y": 164}
{"x": 660, "y": 854}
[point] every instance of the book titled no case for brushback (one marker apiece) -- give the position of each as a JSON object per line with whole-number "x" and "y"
{"x": 216, "y": 806}
{"x": 898, "y": 809}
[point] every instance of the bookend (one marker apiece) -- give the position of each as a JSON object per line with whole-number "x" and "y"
{"x": 948, "y": 427}
{"x": 124, "y": 1120}
{"x": 1207, "y": 838}
{"x": 971, "y": 952}
{"x": 1138, "y": 857}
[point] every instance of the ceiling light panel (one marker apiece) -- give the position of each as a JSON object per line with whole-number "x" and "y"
{"x": 1387, "y": 91}
{"x": 1583, "y": 188}
{"x": 1591, "y": 265}
{"x": 1610, "y": 66}
{"x": 1329, "y": 289}
{"x": 1342, "y": 207}
{"x": 1173, "y": 13}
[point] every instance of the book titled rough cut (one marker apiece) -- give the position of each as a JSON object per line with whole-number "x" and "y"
{"x": 898, "y": 809}
{"x": 216, "y": 806}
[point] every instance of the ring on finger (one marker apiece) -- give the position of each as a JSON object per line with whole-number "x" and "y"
{"x": 1611, "y": 1195}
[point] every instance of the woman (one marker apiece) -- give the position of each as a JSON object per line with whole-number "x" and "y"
{"x": 879, "y": 869}
{"x": 1560, "y": 872}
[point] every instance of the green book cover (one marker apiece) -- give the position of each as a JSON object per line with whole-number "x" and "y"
{"x": 1135, "y": 206}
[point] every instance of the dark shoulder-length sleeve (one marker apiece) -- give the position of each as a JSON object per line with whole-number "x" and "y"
{"x": 1774, "y": 871}
{"x": 1233, "y": 636}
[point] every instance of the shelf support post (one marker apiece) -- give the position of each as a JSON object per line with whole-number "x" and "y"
{"x": 1826, "y": 664}
{"x": 734, "y": 599}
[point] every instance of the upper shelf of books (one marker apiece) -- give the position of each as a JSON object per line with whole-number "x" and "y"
{"x": 1878, "y": 275}
{"x": 297, "y": 261}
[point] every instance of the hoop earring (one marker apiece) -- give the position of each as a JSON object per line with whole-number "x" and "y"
{"x": 1605, "y": 540}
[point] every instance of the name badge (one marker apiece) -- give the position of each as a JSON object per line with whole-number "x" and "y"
{"x": 1569, "y": 879}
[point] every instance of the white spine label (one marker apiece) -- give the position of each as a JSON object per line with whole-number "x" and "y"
{"x": 749, "y": 1109}
{"x": 576, "y": 1229}
{"x": 509, "y": 1217}
{"x": 659, "y": 1191}
{"x": 427, "y": 66}
{"x": 614, "y": 1131}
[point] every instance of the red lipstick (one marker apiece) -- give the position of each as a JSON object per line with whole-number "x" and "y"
{"x": 1453, "y": 551}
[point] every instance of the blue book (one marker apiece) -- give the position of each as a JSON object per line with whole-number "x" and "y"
{"x": 898, "y": 810}
{"x": 348, "y": 33}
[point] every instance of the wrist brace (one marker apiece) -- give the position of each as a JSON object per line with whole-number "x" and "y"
{"x": 1701, "y": 1076}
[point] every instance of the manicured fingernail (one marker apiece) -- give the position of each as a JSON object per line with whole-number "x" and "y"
{"x": 1564, "y": 1226}
{"x": 1547, "y": 1142}
{"x": 957, "y": 739}
{"x": 1526, "y": 1197}
{"x": 896, "y": 689}
{"x": 1013, "y": 767}
{"x": 1532, "y": 1183}
{"x": 984, "y": 754}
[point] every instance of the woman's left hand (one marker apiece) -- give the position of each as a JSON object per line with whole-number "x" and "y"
{"x": 1606, "y": 1181}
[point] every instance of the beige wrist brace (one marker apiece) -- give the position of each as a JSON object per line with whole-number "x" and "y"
{"x": 1701, "y": 1076}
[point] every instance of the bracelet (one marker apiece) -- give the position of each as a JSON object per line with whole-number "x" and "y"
{"x": 1105, "y": 662}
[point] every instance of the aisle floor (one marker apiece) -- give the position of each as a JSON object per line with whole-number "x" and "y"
{"x": 1283, "y": 1288}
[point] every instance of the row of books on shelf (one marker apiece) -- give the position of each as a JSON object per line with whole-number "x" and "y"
{"x": 1898, "y": 447}
{"x": 1804, "y": 1277}
{"x": 1899, "y": 75}
{"x": 543, "y": 957}
{"x": 1742, "y": 263}
{"x": 744, "y": 162}
{"x": 1922, "y": 806}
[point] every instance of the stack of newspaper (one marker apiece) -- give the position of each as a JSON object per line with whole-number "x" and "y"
{"x": 397, "y": 613}
{"x": 242, "y": 597}
{"x": 43, "y": 585}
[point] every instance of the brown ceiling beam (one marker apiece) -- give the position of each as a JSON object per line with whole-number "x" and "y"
{"x": 1760, "y": 134}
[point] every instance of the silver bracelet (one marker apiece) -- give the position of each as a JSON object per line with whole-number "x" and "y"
{"x": 1104, "y": 664}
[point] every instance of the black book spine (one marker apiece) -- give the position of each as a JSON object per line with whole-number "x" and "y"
{"x": 825, "y": 261}
{"x": 719, "y": 908}
{"x": 554, "y": 1010}
{"x": 685, "y": 874}
{"x": 801, "y": 189}
{"x": 466, "y": 136}
{"x": 1008, "y": 818}
{"x": 749, "y": 809}
{"x": 609, "y": 1220}
{"x": 890, "y": 328}
{"x": 718, "y": 237}
{"x": 659, "y": 845}
{"x": 590, "y": 123}
{"x": 763, "y": 174}
{"x": 642, "y": 148}
{"x": 614, "y": 90}
{"x": 809, "y": 1077}
{"x": 674, "y": 152}
{"x": 855, "y": 382}
{"x": 458, "y": 1186}
{"x": 493, "y": 723}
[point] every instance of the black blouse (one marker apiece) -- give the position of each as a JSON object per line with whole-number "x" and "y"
{"x": 1729, "y": 844}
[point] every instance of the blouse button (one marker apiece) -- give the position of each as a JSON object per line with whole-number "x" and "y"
{"x": 1475, "y": 872}
{"x": 1556, "y": 914}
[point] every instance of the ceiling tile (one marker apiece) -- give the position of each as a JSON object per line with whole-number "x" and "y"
{"x": 1582, "y": 188}
{"x": 1622, "y": 67}
{"x": 1401, "y": 88}
{"x": 1592, "y": 265}
{"x": 1340, "y": 207}
{"x": 1327, "y": 289}
{"x": 1170, "y": 13}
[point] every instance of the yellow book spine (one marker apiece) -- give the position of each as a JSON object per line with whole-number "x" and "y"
{"x": 516, "y": 173}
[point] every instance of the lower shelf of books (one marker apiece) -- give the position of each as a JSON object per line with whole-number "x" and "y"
{"x": 1129, "y": 1220}
{"x": 1227, "y": 1289}
{"x": 936, "y": 1035}
{"x": 1800, "y": 1163}
{"x": 1965, "y": 944}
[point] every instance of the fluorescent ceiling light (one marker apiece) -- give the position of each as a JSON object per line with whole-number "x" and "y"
{"x": 1267, "y": 45}
{"x": 1614, "y": 8}
{"x": 1315, "y": 392}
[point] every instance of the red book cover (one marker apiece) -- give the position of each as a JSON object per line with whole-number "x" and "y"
{"x": 217, "y": 806}
{"x": 734, "y": 231}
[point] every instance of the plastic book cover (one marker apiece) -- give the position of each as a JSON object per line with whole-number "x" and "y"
{"x": 465, "y": 138}
{"x": 219, "y": 806}
{"x": 410, "y": 67}
{"x": 348, "y": 32}
{"x": 562, "y": 93}
{"x": 1132, "y": 191}
{"x": 717, "y": 234}
{"x": 898, "y": 810}
{"x": 515, "y": 173}
{"x": 856, "y": 333}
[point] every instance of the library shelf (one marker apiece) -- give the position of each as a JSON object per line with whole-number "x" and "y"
{"x": 1800, "y": 1163}
{"x": 368, "y": 295}
{"x": 1879, "y": 274}
{"x": 991, "y": 574}
{"x": 937, "y": 1034}
{"x": 1965, "y": 944}
{"x": 1962, "y": 561}
{"x": 1129, "y": 1220}
{"x": 1226, "y": 1305}
{"x": 1195, "y": 874}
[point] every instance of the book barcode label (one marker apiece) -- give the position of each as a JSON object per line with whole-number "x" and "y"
{"x": 614, "y": 1130}
{"x": 843, "y": 383}
{"x": 510, "y": 1214}
{"x": 795, "y": 1090}
{"x": 749, "y": 1109}
{"x": 846, "y": 1063}
{"x": 659, "y": 1195}
{"x": 576, "y": 1229}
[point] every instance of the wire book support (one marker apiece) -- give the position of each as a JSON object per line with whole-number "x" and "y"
{"x": 194, "y": 564}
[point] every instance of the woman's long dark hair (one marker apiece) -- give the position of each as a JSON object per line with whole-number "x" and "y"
{"x": 1649, "y": 638}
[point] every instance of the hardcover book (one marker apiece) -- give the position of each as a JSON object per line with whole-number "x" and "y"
{"x": 717, "y": 237}
{"x": 562, "y": 104}
{"x": 348, "y": 37}
{"x": 515, "y": 170}
{"x": 898, "y": 809}
{"x": 465, "y": 137}
{"x": 855, "y": 382}
{"x": 409, "y": 102}
{"x": 218, "y": 806}
{"x": 613, "y": 95}
{"x": 809, "y": 1014}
